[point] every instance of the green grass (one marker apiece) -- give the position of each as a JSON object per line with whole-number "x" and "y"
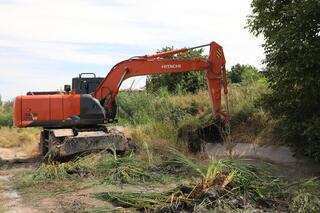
{"x": 306, "y": 196}
{"x": 226, "y": 185}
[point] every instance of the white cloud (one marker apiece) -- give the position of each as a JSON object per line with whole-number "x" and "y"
{"x": 41, "y": 30}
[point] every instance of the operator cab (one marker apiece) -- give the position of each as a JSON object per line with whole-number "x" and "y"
{"x": 86, "y": 83}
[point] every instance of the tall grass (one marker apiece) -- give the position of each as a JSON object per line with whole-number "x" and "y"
{"x": 24, "y": 139}
{"x": 159, "y": 116}
{"x": 138, "y": 108}
{"x": 155, "y": 118}
{"x": 13, "y": 137}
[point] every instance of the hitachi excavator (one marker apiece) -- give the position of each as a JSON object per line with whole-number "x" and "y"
{"x": 73, "y": 120}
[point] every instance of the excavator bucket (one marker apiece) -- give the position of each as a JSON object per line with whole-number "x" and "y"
{"x": 195, "y": 136}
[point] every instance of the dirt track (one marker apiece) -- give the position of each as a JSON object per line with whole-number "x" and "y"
{"x": 10, "y": 199}
{"x": 13, "y": 201}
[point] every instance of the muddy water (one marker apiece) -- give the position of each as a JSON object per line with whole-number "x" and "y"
{"x": 281, "y": 157}
{"x": 10, "y": 199}
{"x": 276, "y": 154}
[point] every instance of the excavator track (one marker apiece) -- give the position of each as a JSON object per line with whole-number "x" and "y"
{"x": 63, "y": 143}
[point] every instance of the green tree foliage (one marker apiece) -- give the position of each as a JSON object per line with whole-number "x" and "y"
{"x": 244, "y": 74}
{"x": 178, "y": 82}
{"x": 5, "y": 113}
{"x": 291, "y": 29}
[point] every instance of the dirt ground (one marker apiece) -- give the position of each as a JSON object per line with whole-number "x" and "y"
{"x": 12, "y": 200}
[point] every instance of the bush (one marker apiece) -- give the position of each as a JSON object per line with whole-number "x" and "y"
{"x": 244, "y": 74}
{"x": 6, "y": 113}
{"x": 6, "y": 119}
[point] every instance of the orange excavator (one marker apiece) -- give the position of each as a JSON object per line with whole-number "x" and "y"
{"x": 73, "y": 120}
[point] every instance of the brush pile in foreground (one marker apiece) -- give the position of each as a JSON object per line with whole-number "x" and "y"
{"x": 178, "y": 183}
{"x": 223, "y": 184}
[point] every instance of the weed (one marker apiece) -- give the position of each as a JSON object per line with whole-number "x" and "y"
{"x": 306, "y": 197}
{"x": 126, "y": 169}
{"x": 109, "y": 169}
{"x": 13, "y": 137}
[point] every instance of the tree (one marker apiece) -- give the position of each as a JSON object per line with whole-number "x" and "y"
{"x": 291, "y": 29}
{"x": 5, "y": 113}
{"x": 244, "y": 73}
{"x": 177, "y": 82}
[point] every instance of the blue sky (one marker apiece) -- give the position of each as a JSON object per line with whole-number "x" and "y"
{"x": 44, "y": 43}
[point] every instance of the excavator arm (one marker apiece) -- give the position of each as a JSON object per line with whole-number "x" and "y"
{"x": 164, "y": 62}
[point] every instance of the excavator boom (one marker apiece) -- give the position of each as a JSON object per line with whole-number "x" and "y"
{"x": 161, "y": 63}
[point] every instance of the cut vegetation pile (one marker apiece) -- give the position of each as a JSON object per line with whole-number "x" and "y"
{"x": 226, "y": 185}
{"x": 191, "y": 184}
{"x": 221, "y": 184}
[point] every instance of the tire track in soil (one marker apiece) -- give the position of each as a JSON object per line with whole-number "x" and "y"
{"x": 12, "y": 161}
{"x": 10, "y": 199}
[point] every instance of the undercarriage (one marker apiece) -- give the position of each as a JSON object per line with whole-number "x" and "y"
{"x": 63, "y": 143}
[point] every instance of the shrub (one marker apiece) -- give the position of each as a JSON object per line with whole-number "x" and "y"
{"x": 6, "y": 119}
{"x": 244, "y": 74}
{"x": 6, "y": 113}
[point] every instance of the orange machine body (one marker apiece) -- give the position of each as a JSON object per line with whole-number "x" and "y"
{"x": 34, "y": 110}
